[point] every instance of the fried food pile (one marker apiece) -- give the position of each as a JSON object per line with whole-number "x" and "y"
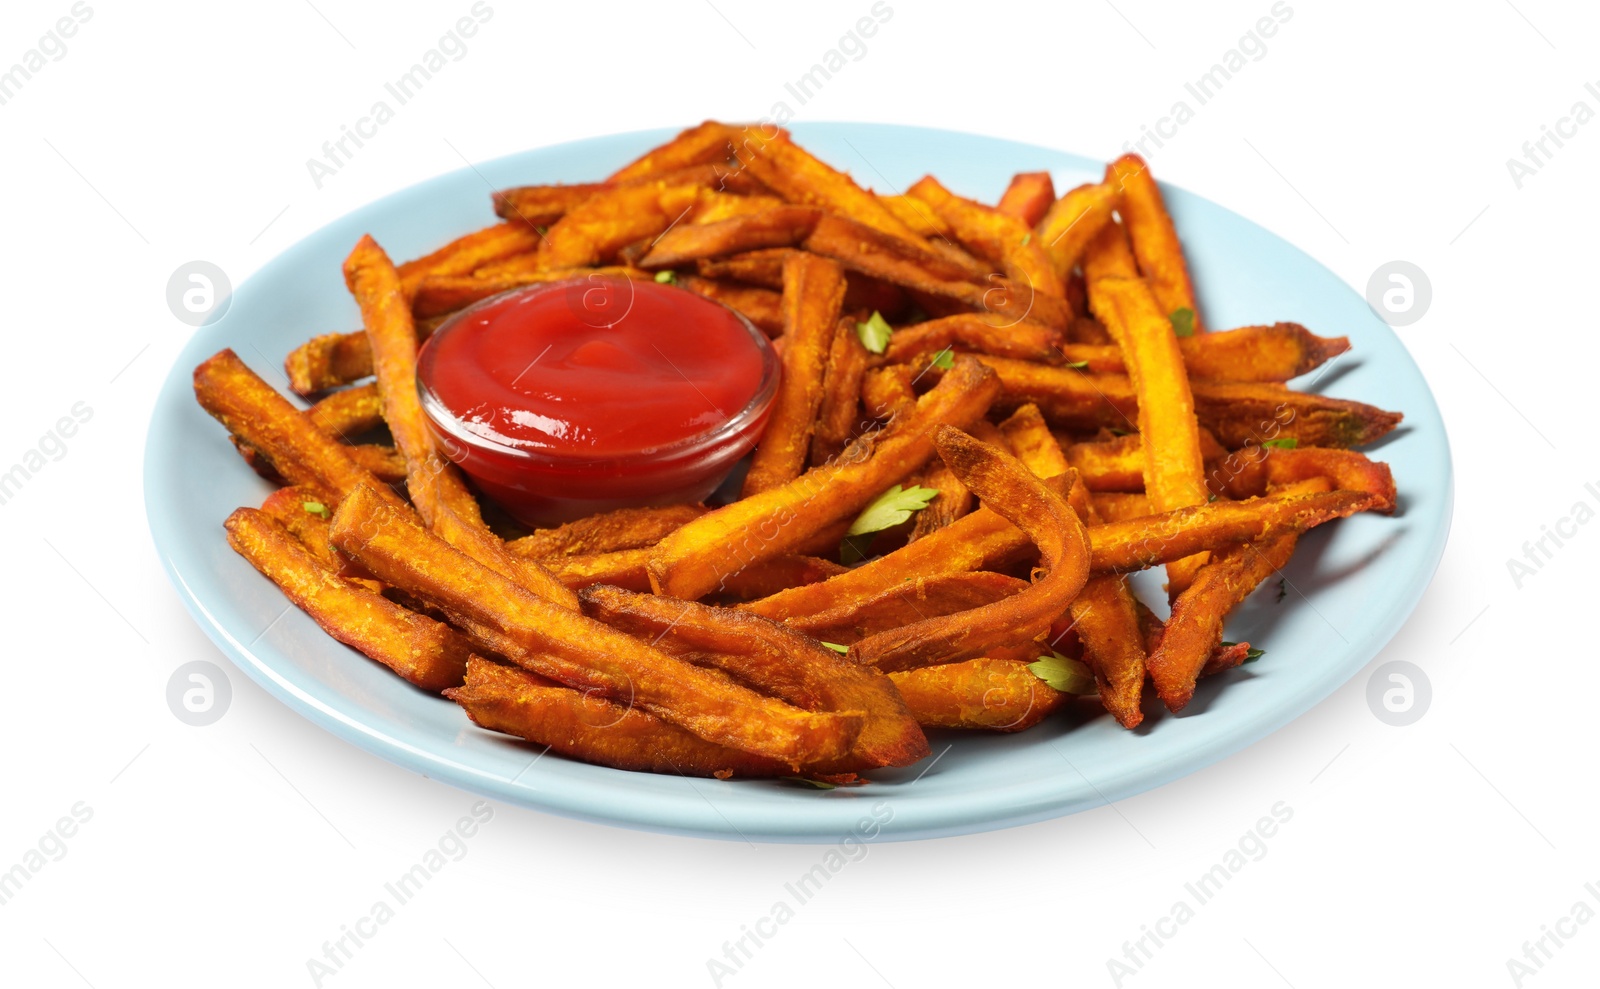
{"x": 989, "y": 416}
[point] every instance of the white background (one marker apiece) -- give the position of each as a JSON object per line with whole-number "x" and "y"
{"x": 227, "y": 855}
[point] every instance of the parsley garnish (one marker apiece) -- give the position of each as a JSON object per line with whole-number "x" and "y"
{"x": 874, "y": 333}
{"x": 1287, "y": 443}
{"x": 316, "y": 508}
{"x": 836, "y": 647}
{"x": 944, "y": 360}
{"x": 668, "y": 277}
{"x": 1078, "y": 365}
{"x": 1251, "y": 654}
{"x": 886, "y": 511}
{"x": 1183, "y": 321}
{"x": 1063, "y": 673}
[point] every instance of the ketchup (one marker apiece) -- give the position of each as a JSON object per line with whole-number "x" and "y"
{"x": 578, "y": 396}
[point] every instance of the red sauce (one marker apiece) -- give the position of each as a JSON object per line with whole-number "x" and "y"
{"x": 578, "y": 396}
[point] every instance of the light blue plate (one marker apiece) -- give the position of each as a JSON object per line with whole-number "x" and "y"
{"x": 1361, "y": 577}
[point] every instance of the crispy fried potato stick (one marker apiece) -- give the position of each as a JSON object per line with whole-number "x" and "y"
{"x": 918, "y": 216}
{"x": 761, "y": 306}
{"x": 839, "y": 416}
{"x": 1250, "y": 472}
{"x": 813, "y": 290}
{"x": 250, "y": 409}
{"x": 349, "y": 412}
{"x": 886, "y": 391}
{"x": 1174, "y": 472}
{"x": 781, "y": 226}
{"x": 1155, "y": 240}
{"x": 1251, "y": 353}
{"x": 577, "y": 651}
{"x": 336, "y": 359}
{"x": 440, "y": 495}
{"x": 763, "y": 267}
{"x": 697, "y": 558}
{"x": 1072, "y": 221}
{"x": 287, "y": 507}
{"x": 919, "y": 268}
{"x": 1237, "y": 414}
{"x": 541, "y": 205}
{"x": 627, "y": 569}
{"x": 440, "y": 295}
{"x": 912, "y": 601}
{"x": 982, "y": 693}
{"x": 582, "y": 726}
{"x": 952, "y": 501}
{"x": 774, "y": 660}
{"x": 1120, "y": 506}
{"x": 1007, "y": 487}
{"x": 607, "y": 532}
{"x": 1029, "y": 196}
{"x": 465, "y": 255}
{"x": 595, "y": 230}
{"x": 708, "y": 143}
{"x": 984, "y": 540}
{"x": 983, "y": 333}
{"x": 1117, "y": 463}
{"x": 801, "y": 178}
{"x": 997, "y": 237}
{"x": 425, "y": 652}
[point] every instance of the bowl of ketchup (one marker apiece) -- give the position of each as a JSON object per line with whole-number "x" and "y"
{"x": 569, "y": 398}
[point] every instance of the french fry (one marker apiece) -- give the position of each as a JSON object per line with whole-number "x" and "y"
{"x": 1251, "y": 353}
{"x": 912, "y": 601}
{"x": 694, "y": 560}
{"x": 1072, "y": 221}
{"x": 801, "y": 178}
{"x": 466, "y": 254}
{"x": 953, "y": 500}
{"x": 982, "y": 693}
{"x": 1155, "y": 240}
{"x": 1174, "y": 472}
{"x": 1117, "y": 463}
{"x": 983, "y": 333}
{"x": 919, "y": 268}
{"x": 440, "y": 495}
{"x": 349, "y": 412}
{"x": 1028, "y": 197}
{"x": 838, "y": 417}
{"x": 425, "y": 652}
{"x": 985, "y": 540}
{"x": 1249, "y": 473}
{"x": 1237, "y": 413}
{"x": 607, "y": 532}
{"x": 542, "y": 205}
{"x": 578, "y": 725}
{"x": 918, "y": 216}
{"x": 775, "y": 660}
{"x": 1012, "y": 491}
{"x": 594, "y": 231}
{"x": 781, "y": 226}
{"x": 763, "y": 267}
{"x": 1120, "y": 506}
{"x": 779, "y": 573}
{"x": 761, "y": 306}
{"x": 575, "y": 650}
{"x": 813, "y": 290}
{"x": 249, "y": 408}
{"x": 708, "y": 143}
{"x": 440, "y": 295}
{"x": 886, "y": 391}
{"x": 288, "y": 506}
{"x": 997, "y": 237}
{"x": 328, "y": 361}
{"x": 1028, "y": 437}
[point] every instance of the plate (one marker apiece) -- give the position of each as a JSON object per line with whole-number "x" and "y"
{"x": 1360, "y": 578}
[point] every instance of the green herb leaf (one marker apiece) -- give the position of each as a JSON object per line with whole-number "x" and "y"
{"x": 874, "y": 333}
{"x": 1183, "y": 321}
{"x": 1063, "y": 673}
{"x": 836, "y": 647}
{"x": 1078, "y": 365}
{"x": 668, "y": 277}
{"x": 1287, "y": 443}
{"x": 316, "y": 508}
{"x": 1026, "y": 238}
{"x": 819, "y": 784}
{"x": 944, "y": 360}
{"x": 886, "y": 511}
{"x": 1251, "y": 653}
